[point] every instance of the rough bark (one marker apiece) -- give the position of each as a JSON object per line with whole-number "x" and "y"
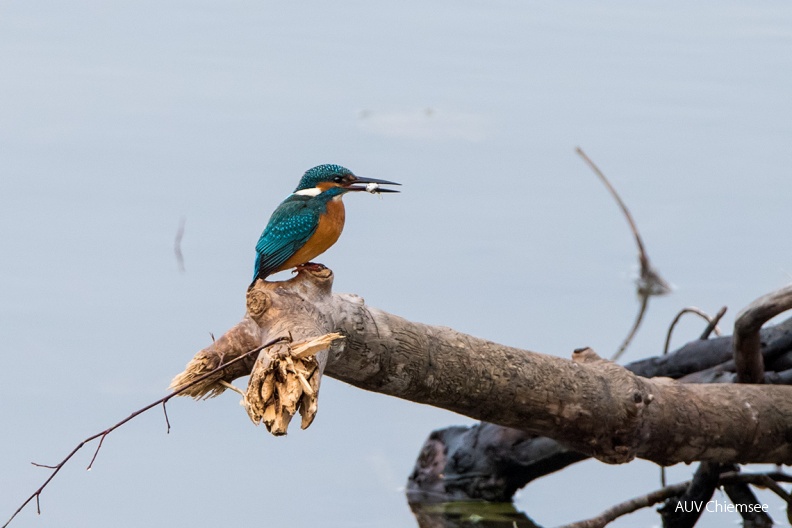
{"x": 284, "y": 379}
{"x": 498, "y": 460}
{"x": 592, "y": 405}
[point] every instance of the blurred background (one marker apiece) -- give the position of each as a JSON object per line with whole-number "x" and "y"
{"x": 119, "y": 120}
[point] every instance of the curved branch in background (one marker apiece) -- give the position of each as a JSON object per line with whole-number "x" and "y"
{"x": 707, "y": 475}
{"x": 649, "y": 282}
{"x": 712, "y": 326}
{"x": 747, "y": 343}
{"x": 633, "y": 227}
{"x": 712, "y": 323}
{"x": 634, "y": 329}
{"x": 750, "y": 369}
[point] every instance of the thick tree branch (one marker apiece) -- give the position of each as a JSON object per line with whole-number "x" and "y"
{"x": 592, "y": 405}
{"x": 507, "y": 458}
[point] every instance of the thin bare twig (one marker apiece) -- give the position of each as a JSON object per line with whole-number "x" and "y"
{"x": 769, "y": 480}
{"x": 93, "y": 459}
{"x": 634, "y": 329}
{"x": 36, "y": 494}
{"x": 631, "y": 506}
{"x": 165, "y": 411}
{"x": 619, "y": 201}
{"x": 712, "y": 323}
{"x": 712, "y": 326}
{"x": 649, "y": 282}
{"x": 43, "y": 466}
{"x": 765, "y": 480}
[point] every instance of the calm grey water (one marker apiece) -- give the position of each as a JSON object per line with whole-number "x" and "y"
{"x": 117, "y": 120}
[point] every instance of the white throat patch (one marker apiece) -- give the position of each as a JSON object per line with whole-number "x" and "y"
{"x": 314, "y": 191}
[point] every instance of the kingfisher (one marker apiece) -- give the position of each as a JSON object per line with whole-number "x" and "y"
{"x": 309, "y": 220}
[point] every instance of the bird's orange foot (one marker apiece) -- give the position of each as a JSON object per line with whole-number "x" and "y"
{"x": 310, "y": 266}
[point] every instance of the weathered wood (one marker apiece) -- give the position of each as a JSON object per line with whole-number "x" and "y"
{"x": 490, "y": 462}
{"x": 718, "y": 352}
{"x": 592, "y": 405}
{"x": 747, "y": 341}
{"x": 483, "y": 462}
{"x": 284, "y": 378}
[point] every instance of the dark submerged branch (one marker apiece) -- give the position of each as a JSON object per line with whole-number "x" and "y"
{"x": 698, "y": 491}
{"x": 740, "y": 493}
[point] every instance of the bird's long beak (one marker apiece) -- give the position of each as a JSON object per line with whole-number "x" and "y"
{"x": 371, "y": 185}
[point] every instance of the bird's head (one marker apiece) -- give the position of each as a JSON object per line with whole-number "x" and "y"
{"x": 325, "y": 177}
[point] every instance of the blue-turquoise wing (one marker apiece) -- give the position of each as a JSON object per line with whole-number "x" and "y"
{"x": 289, "y": 228}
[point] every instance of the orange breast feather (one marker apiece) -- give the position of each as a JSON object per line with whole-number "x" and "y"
{"x": 327, "y": 232}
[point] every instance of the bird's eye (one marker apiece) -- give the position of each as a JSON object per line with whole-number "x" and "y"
{"x": 338, "y": 179}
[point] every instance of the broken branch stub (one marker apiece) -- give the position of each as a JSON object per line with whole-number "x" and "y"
{"x": 241, "y": 339}
{"x": 284, "y": 377}
{"x": 285, "y": 380}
